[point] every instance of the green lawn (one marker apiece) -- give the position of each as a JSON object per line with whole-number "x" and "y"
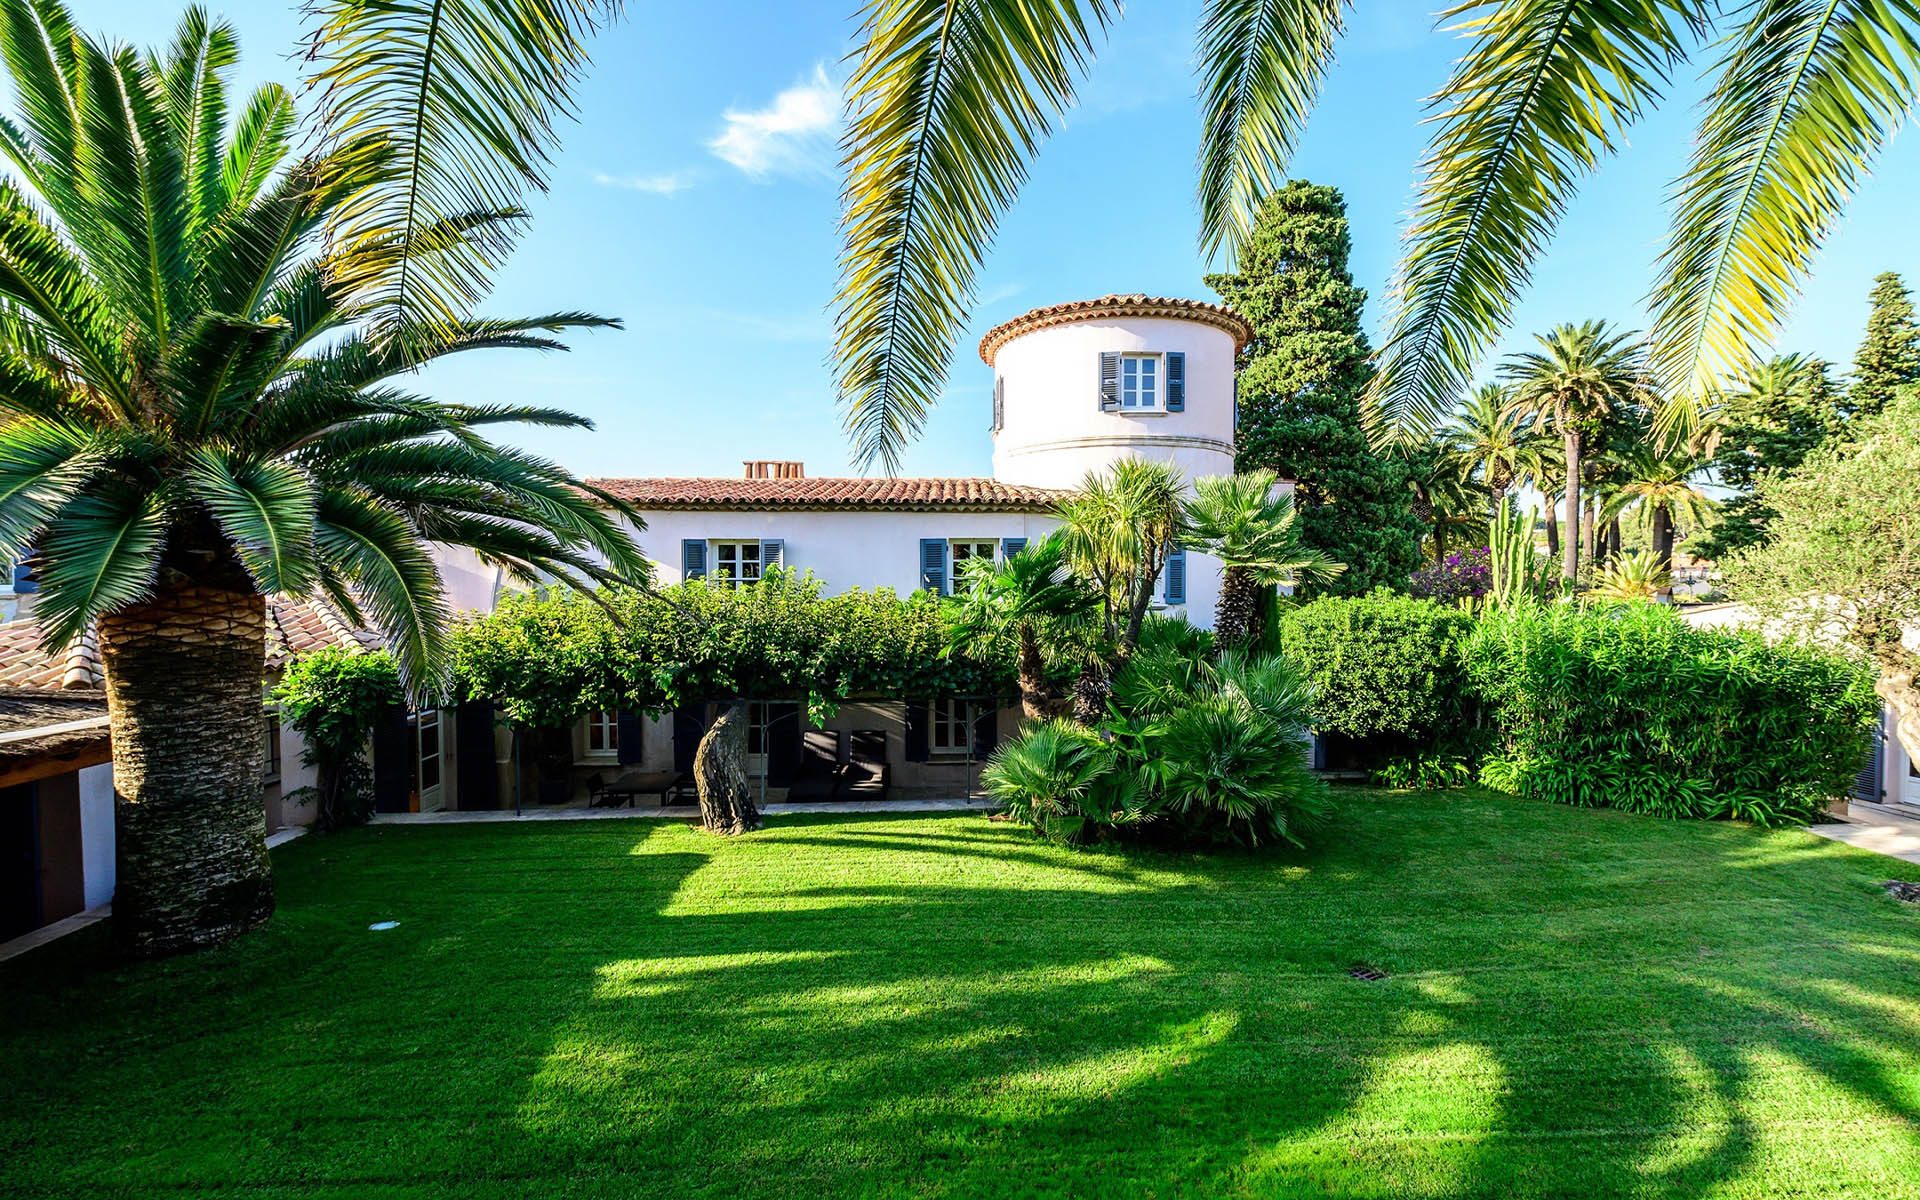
{"x": 1580, "y": 1004}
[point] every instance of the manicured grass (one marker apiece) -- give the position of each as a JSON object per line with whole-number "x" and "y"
{"x": 1580, "y": 1004}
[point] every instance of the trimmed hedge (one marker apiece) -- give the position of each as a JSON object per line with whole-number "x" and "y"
{"x": 1629, "y": 707}
{"x": 1382, "y": 666}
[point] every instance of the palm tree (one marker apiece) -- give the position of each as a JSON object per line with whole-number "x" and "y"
{"x": 1569, "y": 385}
{"x": 1253, "y": 529}
{"x": 1540, "y": 466}
{"x": 1033, "y": 597}
{"x": 1664, "y": 487}
{"x": 949, "y": 102}
{"x": 1118, "y": 530}
{"x": 203, "y": 405}
{"x": 1489, "y": 441}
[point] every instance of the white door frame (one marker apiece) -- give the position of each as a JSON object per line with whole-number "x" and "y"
{"x": 433, "y": 797}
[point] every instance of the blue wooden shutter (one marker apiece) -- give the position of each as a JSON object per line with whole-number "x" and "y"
{"x": 1109, "y": 381}
{"x": 627, "y": 735}
{"x": 918, "y": 747}
{"x": 999, "y": 403}
{"x": 1176, "y": 576}
{"x": 693, "y": 558}
{"x": 933, "y": 565}
{"x": 773, "y": 553}
{"x": 1010, "y": 547}
{"x": 1176, "y": 381}
{"x": 23, "y": 581}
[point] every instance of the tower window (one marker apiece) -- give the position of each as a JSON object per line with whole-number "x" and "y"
{"x": 1139, "y": 382}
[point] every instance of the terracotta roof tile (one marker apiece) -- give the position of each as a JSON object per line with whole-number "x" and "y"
{"x": 1135, "y": 305}
{"x": 825, "y": 492}
{"x": 294, "y": 627}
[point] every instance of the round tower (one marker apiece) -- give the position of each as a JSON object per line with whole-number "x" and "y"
{"x": 1080, "y": 386}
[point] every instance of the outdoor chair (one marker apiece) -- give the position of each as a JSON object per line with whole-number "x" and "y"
{"x": 819, "y": 770}
{"x": 867, "y": 775}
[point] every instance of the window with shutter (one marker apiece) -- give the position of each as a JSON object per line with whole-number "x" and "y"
{"x": 693, "y": 558}
{"x": 933, "y": 565}
{"x": 1011, "y": 546}
{"x": 999, "y": 403}
{"x": 1176, "y": 381}
{"x": 1109, "y": 381}
{"x": 773, "y": 553}
{"x": 1176, "y": 576}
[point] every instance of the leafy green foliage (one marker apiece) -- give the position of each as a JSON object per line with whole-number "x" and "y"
{"x": 194, "y": 388}
{"x": 1428, "y": 771}
{"x": 1779, "y": 412}
{"x": 1382, "y": 666}
{"x": 332, "y": 698}
{"x": 1300, "y": 383}
{"x": 1192, "y": 750}
{"x": 544, "y": 659}
{"x": 1629, "y": 707}
{"x": 1889, "y": 355}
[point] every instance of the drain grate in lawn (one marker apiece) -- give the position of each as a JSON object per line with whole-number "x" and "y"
{"x": 1367, "y": 974}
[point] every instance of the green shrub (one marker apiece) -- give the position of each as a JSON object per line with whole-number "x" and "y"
{"x": 332, "y": 698}
{"x": 1382, "y": 667}
{"x": 1195, "y": 750}
{"x": 1627, "y": 706}
{"x": 1429, "y": 771}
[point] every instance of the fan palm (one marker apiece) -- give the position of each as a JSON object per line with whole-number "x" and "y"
{"x": 1665, "y": 487}
{"x": 1031, "y": 596}
{"x": 1569, "y": 385}
{"x": 1253, "y": 529}
{"x": 950, "y": 100}
{"x": 202, "y": 407}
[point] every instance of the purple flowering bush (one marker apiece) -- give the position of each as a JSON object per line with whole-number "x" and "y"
{"x": 1457, "y": 575}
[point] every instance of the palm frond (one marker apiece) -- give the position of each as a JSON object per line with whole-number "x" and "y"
{"x": 216, "y": 368}
{"x": 1261, "y": 63}
{"x": 37, "y": 41}
{"x": 99, "y": 555}
{"x": 259, "y": 144}
{"x": 203, "y": 50}
{"x": 466, "y": 96}
{"x": 1807, "y": 94}
{"x": 41, "y": 277}
{"x": 43, "y": 465}
{"x": 1546, "y": 90}
{"x": 372, "y": 547}
{"x": 266, "y": 509}
{"x": 948, "y": 101}
{"x": 134, "y": 221}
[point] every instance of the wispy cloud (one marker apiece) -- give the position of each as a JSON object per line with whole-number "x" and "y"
{"x": 792, "y": 136}
{"x": 665, "y": 184}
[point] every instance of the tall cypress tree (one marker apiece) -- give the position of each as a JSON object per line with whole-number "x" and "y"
{"x": 1301, "y": 378}
{"x": 1889, "y": 356}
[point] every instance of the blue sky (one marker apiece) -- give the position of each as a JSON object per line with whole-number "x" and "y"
{"x": 696, "y": 199}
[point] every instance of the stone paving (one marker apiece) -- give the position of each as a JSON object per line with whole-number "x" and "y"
{"x": 1880, "y": 828}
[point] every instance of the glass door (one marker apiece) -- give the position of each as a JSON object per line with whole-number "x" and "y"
{"x": 432, "y": 761}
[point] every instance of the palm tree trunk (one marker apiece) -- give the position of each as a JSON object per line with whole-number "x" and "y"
{"x": 1553, "y": 527}
{"x": 1090, "y": 691}
{"x": 184, "y": 676}
{"x": 720, "y": 774}
{"x": 1036, "y": 698}
{"x": 1237, "y": 615}
{"x": 1614, "y": 541}
{"x": 1570, "y": 563}
{"x": 1663, "y": 550}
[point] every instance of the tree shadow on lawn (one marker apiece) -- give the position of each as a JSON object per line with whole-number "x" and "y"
{"x": 579, "y": 1014}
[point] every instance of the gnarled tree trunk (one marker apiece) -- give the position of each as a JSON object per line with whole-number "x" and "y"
{"x": 184, "y": 676}
{"x": 720, "y": 774}
{"x": 1899, "y": 685}
{"x": 1036, "y": 696}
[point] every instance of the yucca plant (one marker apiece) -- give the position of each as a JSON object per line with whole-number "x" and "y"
{"x": 204, "y": 339}
{"x": 950, "y": 100}
{"x": 1253, "y": 529}
{"x": 1636, "y": 575}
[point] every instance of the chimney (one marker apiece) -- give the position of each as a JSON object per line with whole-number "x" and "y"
{"x": 775, "y": 468}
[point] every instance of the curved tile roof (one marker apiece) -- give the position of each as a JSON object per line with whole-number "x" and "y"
{"x": 830, "y": 493}
{"x": 1136, "y": 305}
{"x": 294, "y": 627}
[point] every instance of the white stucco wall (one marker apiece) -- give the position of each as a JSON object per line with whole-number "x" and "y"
{"x": 1053, "y": 430}
{"x": 96, "y": 833}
